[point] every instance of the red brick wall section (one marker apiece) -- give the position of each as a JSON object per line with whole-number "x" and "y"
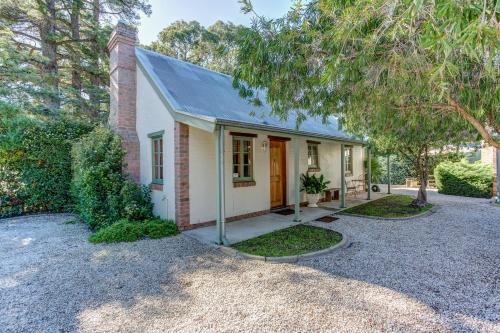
{"x": 122, "y": 117}
{"x": 182, "y": 217}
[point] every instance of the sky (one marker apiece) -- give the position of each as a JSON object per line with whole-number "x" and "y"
{"x": 204, "y": 11}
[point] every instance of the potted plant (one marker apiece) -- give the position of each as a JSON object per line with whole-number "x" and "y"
{"x": 314, "y": 187}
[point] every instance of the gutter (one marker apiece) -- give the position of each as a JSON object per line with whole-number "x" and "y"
{"x": 286, "y": 131}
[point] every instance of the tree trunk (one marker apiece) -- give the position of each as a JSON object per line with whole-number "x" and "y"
{"x": 76, "y": 80}
{"x": 95, "y": 79}
{"x": 423, "y": 170}
{"x": 49, "y": 68}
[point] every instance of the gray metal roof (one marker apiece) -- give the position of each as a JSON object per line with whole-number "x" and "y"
{"x": 202, "y": 93}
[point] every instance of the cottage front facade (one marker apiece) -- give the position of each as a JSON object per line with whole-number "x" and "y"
{"x": 208, "y": 155}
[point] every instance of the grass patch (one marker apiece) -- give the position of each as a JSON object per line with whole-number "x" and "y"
{"x": 72, "y": 221}
{"x": 295, "y": 240}
{"x": 396, "y": 205}
{"x": 131, "y": 231}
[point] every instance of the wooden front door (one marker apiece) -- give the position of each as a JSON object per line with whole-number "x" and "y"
{"x": 278, "y": 173}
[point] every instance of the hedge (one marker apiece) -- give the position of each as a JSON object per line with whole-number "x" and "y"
{"x": 102, "y": 191}
{"x": 464, "y": 179}
{"x": 35, "y": 162}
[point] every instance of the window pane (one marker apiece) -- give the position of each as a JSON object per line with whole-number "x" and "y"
{"x": 155, "y": 154}
{"x": 236, "y": 145}
{"x": 157, "y": 158}
{"x": 312, "y": 156}
{"x": 242, "y": 158}
{"x": 247, "y": 145}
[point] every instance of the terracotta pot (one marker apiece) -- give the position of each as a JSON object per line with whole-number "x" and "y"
{"x": 312, "y": 199}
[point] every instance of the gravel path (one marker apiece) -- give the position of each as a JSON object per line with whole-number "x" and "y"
{"x": 438, "y": 273}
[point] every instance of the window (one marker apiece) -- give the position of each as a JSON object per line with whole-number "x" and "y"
{"x": 348, "y": 160}
{"x": 242, "y": 159}
{"x": 157, "y": 157}
{"x": 312, "y": 155}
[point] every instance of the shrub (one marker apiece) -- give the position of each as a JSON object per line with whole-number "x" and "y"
{"x": 35, "y": 162}
{"x": 102, "y": 191}
{"x": 136, "y": 201}
{"x": 157, "y": 228}
{"x": 464, "y": 178}
{"x": 130, "y": 231}
{"x": 121, "y": 231}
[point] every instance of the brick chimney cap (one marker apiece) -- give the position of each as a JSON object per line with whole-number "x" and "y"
{"x": 124, "y": 33}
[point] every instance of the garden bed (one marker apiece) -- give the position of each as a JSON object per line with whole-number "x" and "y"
{"x": 392, "y": 206}
{"x": 291, "y": 241}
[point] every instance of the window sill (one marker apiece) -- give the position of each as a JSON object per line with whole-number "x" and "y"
{"x": 156, "y": 187}
{"x": 244, "y": 183}
{"x": 313, "y": 170}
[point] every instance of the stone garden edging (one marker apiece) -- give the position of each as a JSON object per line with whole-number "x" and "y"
{"x": 286, "y": 259}
{"x": 431, "y": 211}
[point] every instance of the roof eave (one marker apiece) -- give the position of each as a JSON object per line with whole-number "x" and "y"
{"x": 287, "y": 131}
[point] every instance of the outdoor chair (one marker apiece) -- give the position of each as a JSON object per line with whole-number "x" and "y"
{"x": 351, "y": 188}
{"x": 361, "y": 183}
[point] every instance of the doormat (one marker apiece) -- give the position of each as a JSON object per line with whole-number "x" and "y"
{"x": 327, "y": 219}
{"x": 286, "y": 211}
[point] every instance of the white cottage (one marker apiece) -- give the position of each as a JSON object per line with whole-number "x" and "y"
{"x": 207, "y": 154}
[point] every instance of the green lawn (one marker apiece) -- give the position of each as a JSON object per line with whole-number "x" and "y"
{"x": 395, "y": 205}
{"x": 295, "y": 240}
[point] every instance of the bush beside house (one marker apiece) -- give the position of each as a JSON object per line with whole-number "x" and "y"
{"x": 35, "y": 162}
{"x": 102, "y": 192}
{"x": 464, "y": 178}
{"x": 116, "y": 208}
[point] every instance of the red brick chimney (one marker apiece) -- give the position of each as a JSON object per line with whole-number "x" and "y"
{"x": 122, "y": 72}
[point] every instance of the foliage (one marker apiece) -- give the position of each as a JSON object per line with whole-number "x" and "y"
{"x": 394, "y": 60}
{"x": 129, "y": 231}
{"x": 401, "y": 168}
{"x": 102, "y": 192}
{"x": 213, "y": 47}
{"x": 365, "y": 68}
{"x": 391, "y": 206}
{"x": 436, "y": 159}
{"x": 135, "y": 201}
{"x": 376, "y": 169}
{"x": 312, "y": 184}
{"x": 53, "y": 56}
{"x": 295, "y": 240}
{"x": 121, "y": 231}
{"x": 35, "y": 162}
{"x": 464, "y": 178}
{"x": 157, "y": 228}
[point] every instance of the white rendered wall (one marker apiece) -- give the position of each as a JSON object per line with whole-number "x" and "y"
{"x": 152, "y": 116}
{"x": 243, "y": 200}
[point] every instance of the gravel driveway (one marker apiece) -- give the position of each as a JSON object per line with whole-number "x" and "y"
{"x": 438, "y": 273}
